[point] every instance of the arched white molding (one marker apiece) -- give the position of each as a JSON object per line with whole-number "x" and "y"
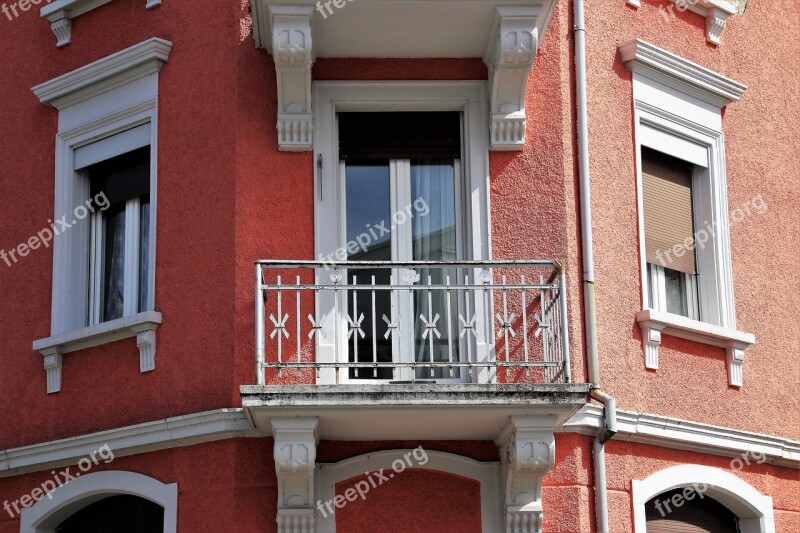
{"x": 487, "y": 474}
{"x": 47, "y": 514}
{"x": 753, "y": 508}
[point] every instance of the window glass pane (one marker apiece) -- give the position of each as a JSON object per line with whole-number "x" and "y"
{"x": 368, "y": 223}
{"x": 676, "y": 292}
{"x": 113, "y": 262}
{"x": 434, "y": 234}
{"x": 144, "y": 249}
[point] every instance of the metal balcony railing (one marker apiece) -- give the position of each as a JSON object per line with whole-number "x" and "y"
{"x": 418, "y": 321}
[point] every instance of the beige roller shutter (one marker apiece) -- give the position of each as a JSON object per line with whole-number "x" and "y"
{"x": 668, "y": 220}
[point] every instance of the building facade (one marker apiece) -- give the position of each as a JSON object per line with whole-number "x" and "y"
{"x": 397, "y": 265}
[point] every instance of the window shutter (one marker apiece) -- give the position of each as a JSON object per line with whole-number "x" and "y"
{"x": 123, "y": 177}
{"x": 121, "y": 143}
{"x": 668, "y": 216}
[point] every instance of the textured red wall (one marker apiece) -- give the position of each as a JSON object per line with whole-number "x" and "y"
{"x": 222, "y": 486}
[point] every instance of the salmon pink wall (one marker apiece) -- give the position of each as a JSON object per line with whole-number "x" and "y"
{"x": 759, "y": 49}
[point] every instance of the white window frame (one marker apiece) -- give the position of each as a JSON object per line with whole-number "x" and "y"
{"x": 46, "y": 514}
{"x": 658, "y": 282}
{"x": 754, "y": 509}
{"x": 470, "y": 98}
{"x": 678, "y": 111}
{"x": 96, "y": 102}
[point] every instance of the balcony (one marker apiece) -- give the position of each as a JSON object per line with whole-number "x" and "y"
{"x": 421, "y": 349}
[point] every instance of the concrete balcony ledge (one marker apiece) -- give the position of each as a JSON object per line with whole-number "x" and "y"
{"x": 411, "y": 411}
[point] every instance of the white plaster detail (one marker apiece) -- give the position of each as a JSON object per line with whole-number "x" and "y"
{"x": 681, "y": 74}
{"x": 61, "y": 12}
{"x": 146, "y": 342}
{"x": 680, "y": 434}
{"x": 105, "y": 74}
{"x": 510, "y": 56}
{"x": 716, "y": 13}
{"x": 635, "y": 3}
{"x": 654, "y": 323}
{"x": 753, "y": 509}
{"x": 53, "y": 361}
{"x": 173, "y": 432}
{"x": 292, "y": 51}
{"x": 486, "y": 473}
{"x": 62, "y": 28}
{"x": 528, "y": 452}
{"x": 295, "y": 455}
{"x": 48, "y": 513}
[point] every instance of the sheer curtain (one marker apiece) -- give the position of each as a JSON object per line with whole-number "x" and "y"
{"x": 434, "y": 234}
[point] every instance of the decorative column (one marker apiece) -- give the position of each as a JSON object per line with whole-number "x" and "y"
{"x": 293, "y": 55}
{"x": 510, "y": 56}
{"x": 528, "y": 452}
{"x": 295, "y": 455}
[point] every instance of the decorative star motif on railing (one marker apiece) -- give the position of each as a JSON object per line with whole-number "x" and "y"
{"x": 506, "y": 323}
{"x": 430, "y": 326}
{"x": 393, "y": 328}
{"x": 280, "y": 326}
{"x": 544, "y": 325}
{"x": 468, "y": 326}
{"x": 317, "y": 327}
{"x": 355, "y": 326}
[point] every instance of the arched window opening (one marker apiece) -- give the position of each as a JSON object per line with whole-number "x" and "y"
{"x": 116, "y": 514}
{"x": 688, "y": 510}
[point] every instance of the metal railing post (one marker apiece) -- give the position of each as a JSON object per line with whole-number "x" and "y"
{"x": 562, "y": 280}
{"x": 259, "y": 327}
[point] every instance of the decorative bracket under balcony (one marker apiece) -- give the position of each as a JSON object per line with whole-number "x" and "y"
{"x": 528, "y": 452}
{"x": 295, "y": 454}
{"x": 654, "y": 324}
{"x": 292, "y": 51}
{"x": 61, "y": 12}
{"x": 510, "y": 57}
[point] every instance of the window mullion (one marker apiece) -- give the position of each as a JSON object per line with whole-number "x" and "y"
{"x": 96, "y": 274}
{"x": 132, "y": 247}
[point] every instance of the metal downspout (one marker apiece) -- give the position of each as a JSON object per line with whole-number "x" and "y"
{"x": 609, "y": 403}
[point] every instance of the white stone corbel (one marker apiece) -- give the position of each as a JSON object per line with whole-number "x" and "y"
{"x": 152, "y": 3}
{"x": 53, "y": 360}
{"x": 295, "y": 454}
{"x": 293, "y": 54}
{"x": 735, "y": 363}
{"x": 528, "y": 452}
{"x": 146, "y": 342}
{"x": 651, "y": 334}
{"x": 635, "y": 3}
{"x": 715, "y": 23}
{"x": 510, "y": 55}
{"x": 716, "y": 13}
{"x": 62, "y": 28}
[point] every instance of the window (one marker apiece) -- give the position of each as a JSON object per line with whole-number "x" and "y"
{"x": 409, "y": 164}
{"x": 688, "y": 511}
{"x": 120, "y": 236}
{"x": 420, "y": 171}
{"x": 669, "y": 227}
{"x": 685, "y": 249}
{"x": 106, "y": 194}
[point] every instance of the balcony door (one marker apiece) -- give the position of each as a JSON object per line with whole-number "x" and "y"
{"x": 401, "y": 210}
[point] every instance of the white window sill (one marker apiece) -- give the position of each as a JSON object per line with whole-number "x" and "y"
{"x": 655, "y": 323}
{"x": 143, "y": 326}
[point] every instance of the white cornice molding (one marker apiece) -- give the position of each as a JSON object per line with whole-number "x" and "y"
{"x": 681, "y": 74}
{"x": 171, "y": 432}
{"x": 675, "y": 433}
{"x": 61, "y": 12}
{"x": 105, "y": 74}
{"x": 655, "y": 323}
{"x": 510, "y": 55}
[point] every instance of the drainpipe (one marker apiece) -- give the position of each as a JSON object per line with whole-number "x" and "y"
{"x": 609, "y": 403}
